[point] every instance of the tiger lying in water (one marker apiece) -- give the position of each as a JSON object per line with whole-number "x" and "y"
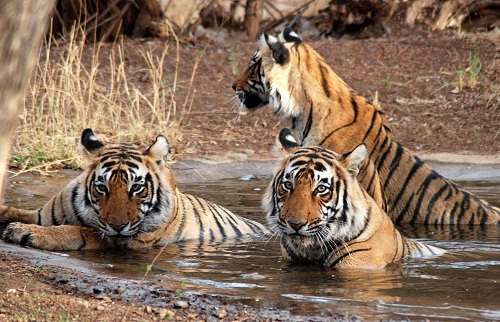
{"x": 127, "y": 197}
{"x": 323, "y": 110}
{"x": 323, "y": 214}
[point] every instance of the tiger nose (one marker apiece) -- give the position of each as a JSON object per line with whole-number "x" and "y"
{"x": 234, "y": 87}
{"x": 118, "y": 227}
{"x": 296, "y": 225}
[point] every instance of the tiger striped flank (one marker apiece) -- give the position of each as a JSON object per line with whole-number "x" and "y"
{"x": 324, "y": 110}
{"x": 126, "y": 198}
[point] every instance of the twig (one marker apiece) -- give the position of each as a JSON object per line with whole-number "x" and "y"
{"x": 299, "y": 11}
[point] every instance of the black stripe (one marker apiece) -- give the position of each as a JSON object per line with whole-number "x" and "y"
{"x": 384, "y": 155}
{"x": 404, "y": 212}
{"x": 307, "y": 128}
{"x": 53, "y": 216}
{"x": 432, "y": 201}
{"x": 256, "y": 229}
{"x": 210, "y": 210}
{"x": 355, "y": 108}
{"x": 422, "y": 192}
{"x": 132, "y": 165}
{"x": 374, "y": 117}
{"x": 78, "y": 215}
{"x": 378, "y": 150}
{"x": 337, "y": 189}
{"x": 413, "y": 171}
{"x": 232, "y": 220}
{"x": 324, "y": 80}
{"x": 198, "y": 215}
{"x": 464, "y": 206}
{"x": 25, "y": 239}
{"x": 394, "y": 164}
{"x": 181, "y": 210}
{"x": 349, "y": 254}
{"x": 63, "y": 212}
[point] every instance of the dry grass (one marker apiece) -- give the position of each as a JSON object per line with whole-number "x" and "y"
{"x": 68, "y": 94}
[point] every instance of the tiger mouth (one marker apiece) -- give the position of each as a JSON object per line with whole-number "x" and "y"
{"x": 252, "y": 100}
{"x": 120, "y": 236}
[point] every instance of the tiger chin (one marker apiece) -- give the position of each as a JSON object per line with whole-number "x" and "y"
{"x": 324, "y": 216}
{"x": 323, "y": 110}
{"x": 126, "y": 198}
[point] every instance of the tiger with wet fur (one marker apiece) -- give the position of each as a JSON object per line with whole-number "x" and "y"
{"x": 323, "y": 215}
{"x": 126, "y": 198}
{"x": 323, "y": 110}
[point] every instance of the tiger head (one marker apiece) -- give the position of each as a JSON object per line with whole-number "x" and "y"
{"x": 251, "y": 86}
{"x": 314, "y": 201}
{"x": 290, "y": 75}
{"x": 127, "y": 189}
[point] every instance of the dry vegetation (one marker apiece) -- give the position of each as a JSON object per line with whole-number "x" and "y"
{"x": 66, "y": 95}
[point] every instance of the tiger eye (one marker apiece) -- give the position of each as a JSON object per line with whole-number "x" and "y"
{"x": 100, "y": 188}
{"x": 287, "y": 185}
{"x": 135, "y": 187}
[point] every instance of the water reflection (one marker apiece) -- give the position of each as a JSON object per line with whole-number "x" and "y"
{"x": 460, "y": 285}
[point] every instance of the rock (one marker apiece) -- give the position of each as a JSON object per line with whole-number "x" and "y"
{"x": 181, "y": 304}
{"x": 165, "y": 314}
{"x": 220, "y": 313}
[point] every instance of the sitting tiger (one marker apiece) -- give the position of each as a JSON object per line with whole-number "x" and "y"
{"x": 324, "y": 110}
{"x": 323, "y": 214}
{"x": 126, "y": 198}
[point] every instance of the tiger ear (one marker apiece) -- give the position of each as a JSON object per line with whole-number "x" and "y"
{"x": 91, "y": 146}
{"x": 288, "y": 35}
{"x": 279, "y": 52}
{"x": 353, "y": 159}
{"x": 286, "y": 143}
{"x": 158, "y": 151}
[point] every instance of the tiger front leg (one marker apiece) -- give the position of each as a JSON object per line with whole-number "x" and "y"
{"x": 11, "y": 214}
{"x": 54, "y": 237}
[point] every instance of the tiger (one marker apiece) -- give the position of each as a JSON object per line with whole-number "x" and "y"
{"x": 127, "y": 197}
{"x": 324, "y": 216}
{"x": 323, "y": 110}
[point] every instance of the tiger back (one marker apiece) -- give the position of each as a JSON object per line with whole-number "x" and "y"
{"x": 323, "y": 215}
{"x": 127, "y": 197}
{"x": 323, "y": 110}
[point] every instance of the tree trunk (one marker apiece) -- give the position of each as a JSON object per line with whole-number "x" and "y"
{"x": 253, "y": 15}
{"x": 22, "y": 26}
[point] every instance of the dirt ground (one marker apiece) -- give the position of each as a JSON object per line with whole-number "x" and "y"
{"x": 414, "y": 71}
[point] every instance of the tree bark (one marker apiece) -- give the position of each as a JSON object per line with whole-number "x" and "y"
{"x": 253, "y": 16}
{"x": 22, "y": 26}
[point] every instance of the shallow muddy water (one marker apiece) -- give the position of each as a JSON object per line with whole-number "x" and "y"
{"x": 461, "y": 285}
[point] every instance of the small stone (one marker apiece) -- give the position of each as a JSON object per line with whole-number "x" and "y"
{"x": 220, "y": 313}
{"x": 165, "y": 314}
{"x": 181, "y": 304}
{"x": 100, "y": 307}
{"x": 85, "y": 304}
{"x": 148, "y": 309}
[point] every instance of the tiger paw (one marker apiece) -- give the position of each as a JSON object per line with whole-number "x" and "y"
{"x": 31, "y": 235}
